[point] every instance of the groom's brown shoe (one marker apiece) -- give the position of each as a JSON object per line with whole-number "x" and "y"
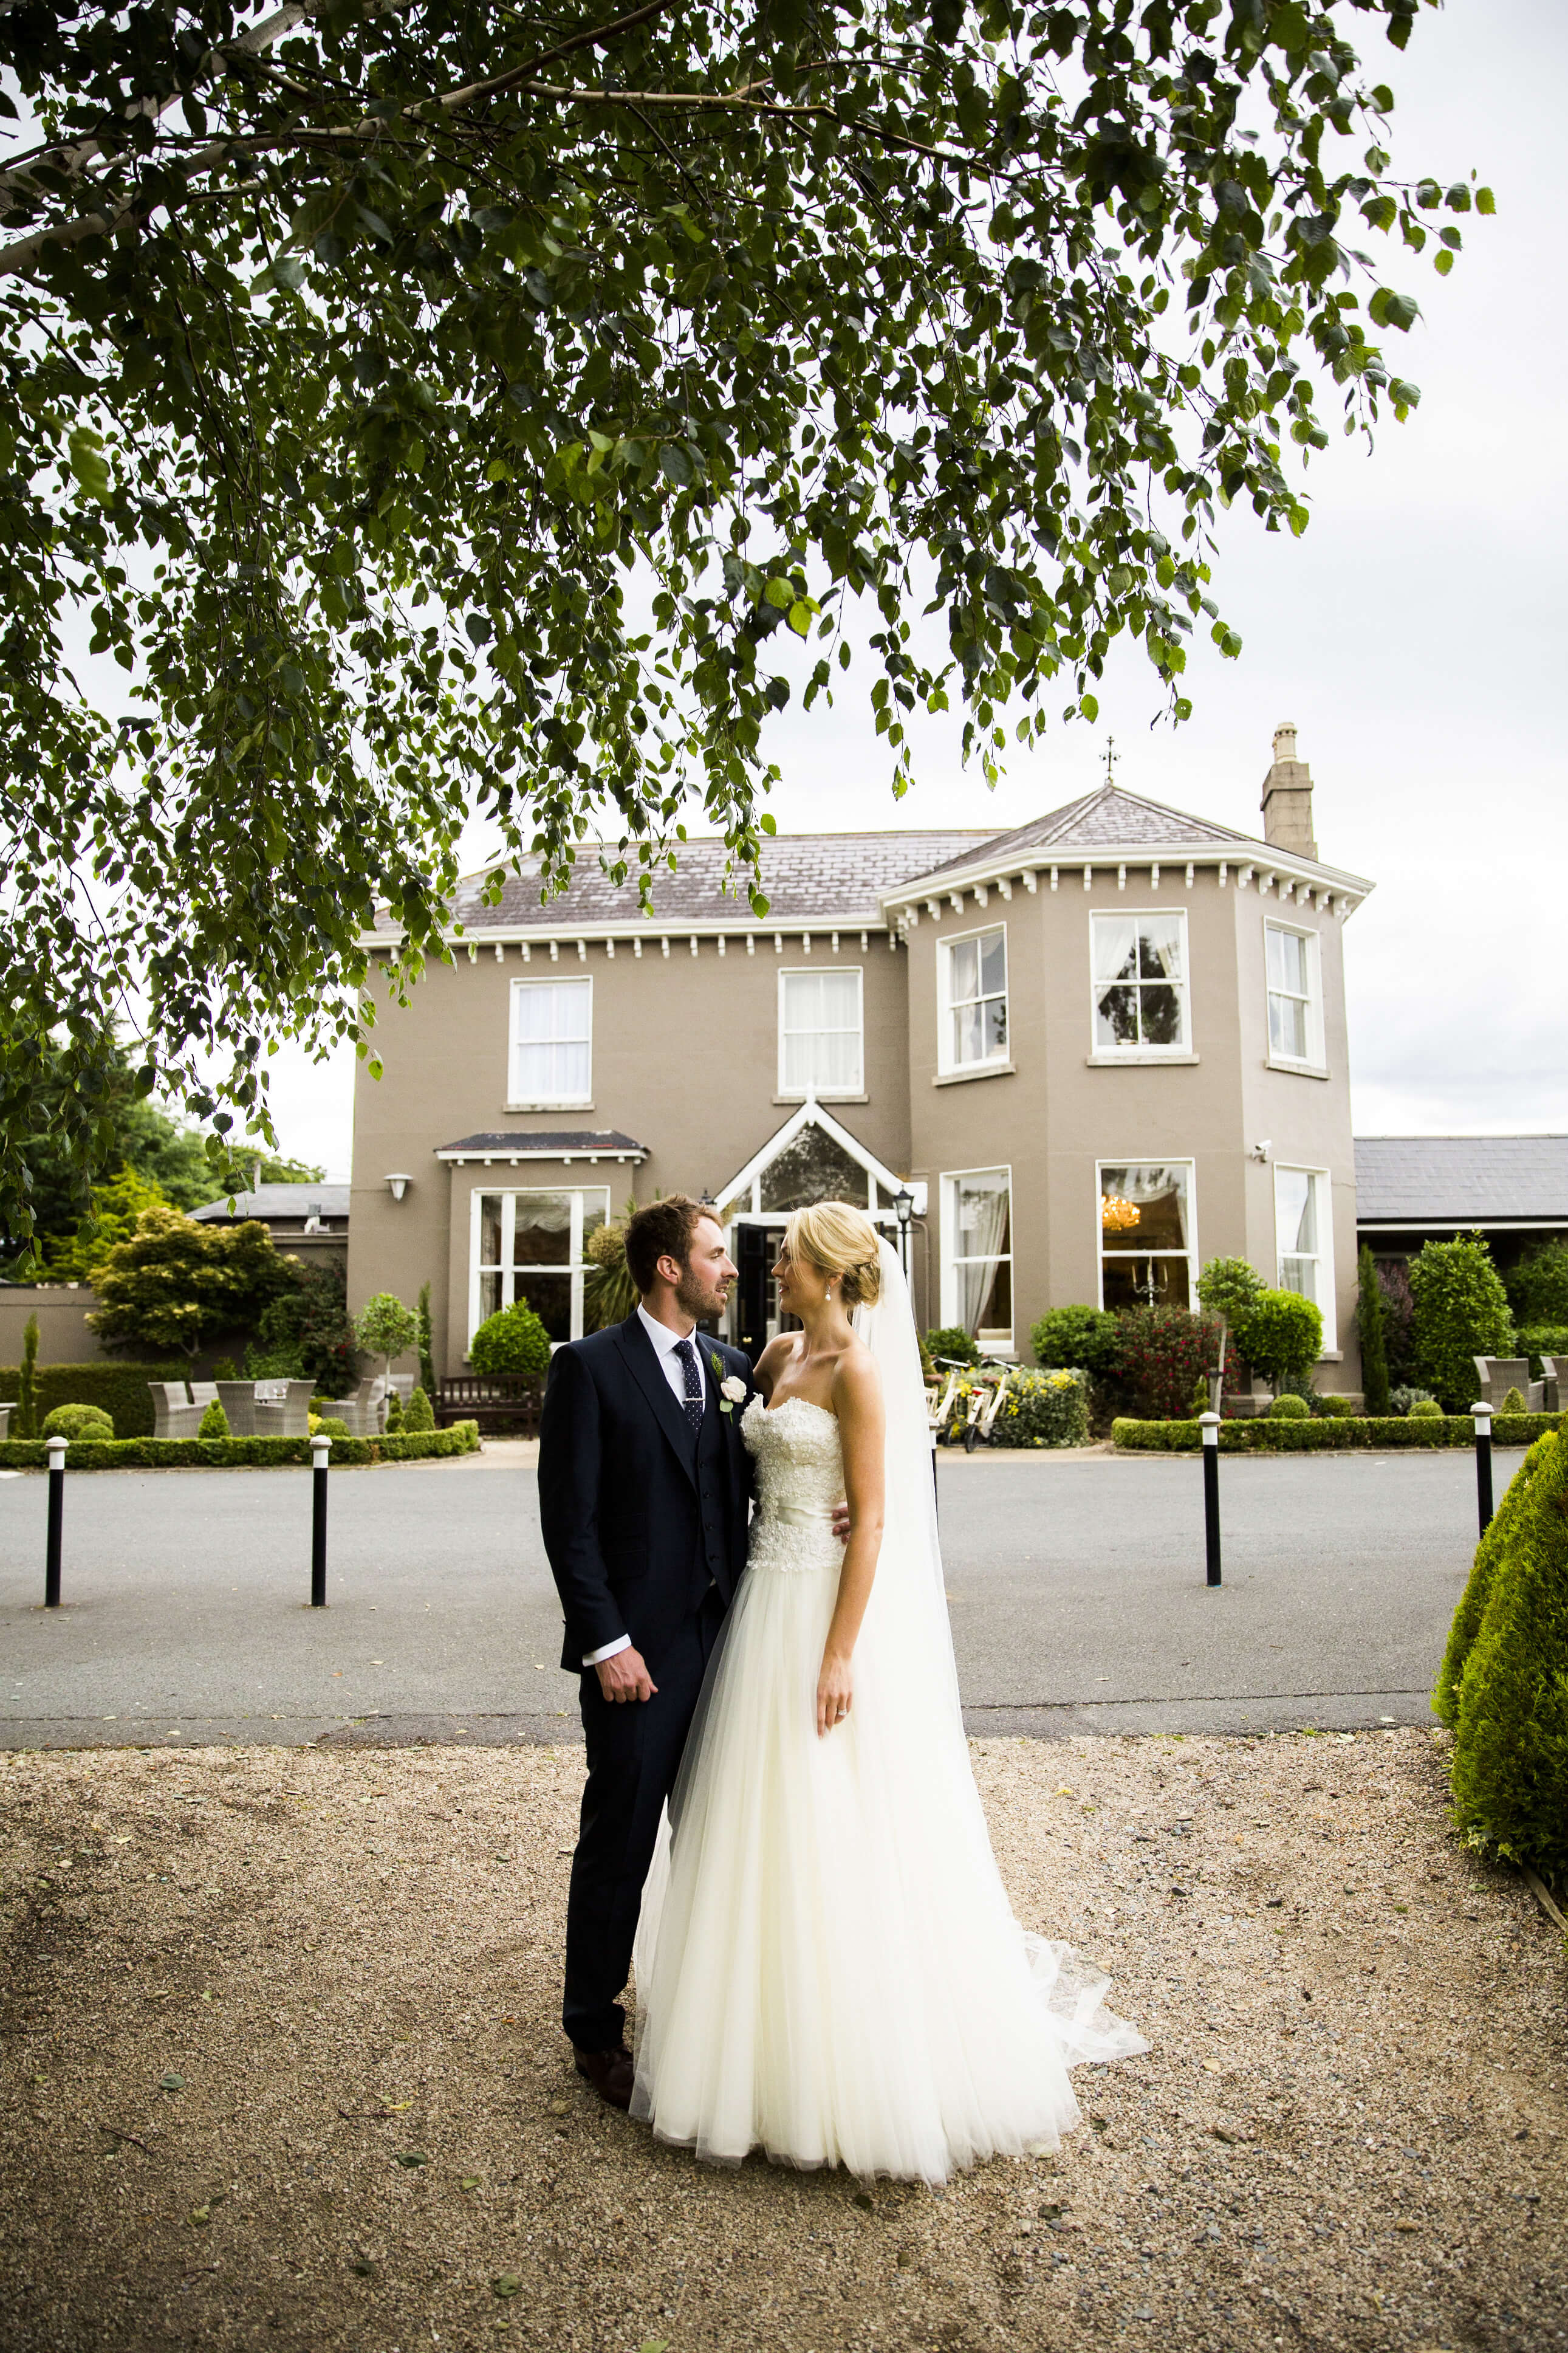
{"x": 610, "y": 2073}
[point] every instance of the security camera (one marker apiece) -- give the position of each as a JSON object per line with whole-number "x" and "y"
{"x": 1261, "y": 1151}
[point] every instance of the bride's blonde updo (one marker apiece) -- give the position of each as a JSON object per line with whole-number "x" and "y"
{"x": 840, "y": 1241}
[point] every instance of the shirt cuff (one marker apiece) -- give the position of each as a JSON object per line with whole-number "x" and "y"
{"x": 621, "y": 1642}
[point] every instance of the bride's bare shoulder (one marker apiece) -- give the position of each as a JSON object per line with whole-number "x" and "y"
{"x": 857, "y": 1381}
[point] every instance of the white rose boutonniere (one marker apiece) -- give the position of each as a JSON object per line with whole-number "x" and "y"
{"x": 732, "y": 1388}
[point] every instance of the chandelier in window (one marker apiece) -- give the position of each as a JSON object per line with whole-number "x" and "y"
{"x": 1116, "y": 1215}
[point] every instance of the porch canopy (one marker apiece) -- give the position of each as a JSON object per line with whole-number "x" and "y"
{"x": 813, "y": 1157}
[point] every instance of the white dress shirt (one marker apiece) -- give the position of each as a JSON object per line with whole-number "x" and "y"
{"x": 665, "y": 1344}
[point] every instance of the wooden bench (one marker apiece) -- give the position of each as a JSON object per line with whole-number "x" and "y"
{"x": 496, "y": 1401}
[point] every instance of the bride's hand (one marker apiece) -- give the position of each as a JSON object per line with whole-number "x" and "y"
{"x": 834, "y": 1693}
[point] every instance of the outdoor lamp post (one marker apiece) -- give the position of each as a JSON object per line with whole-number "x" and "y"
{"x": 904, "y": 1203}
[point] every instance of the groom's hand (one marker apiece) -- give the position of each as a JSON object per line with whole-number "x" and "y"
{"x": 625, "y": 1677}
{"x": 841, "y": 1522}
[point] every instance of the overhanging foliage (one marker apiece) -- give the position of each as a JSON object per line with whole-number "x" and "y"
{"x": 435, "y": 407}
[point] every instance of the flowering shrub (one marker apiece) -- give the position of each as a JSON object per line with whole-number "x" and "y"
{"x": 1044, "y": 1409}
{"x": 1037, "y": 1409}
{"x": 1163, "y": 1353}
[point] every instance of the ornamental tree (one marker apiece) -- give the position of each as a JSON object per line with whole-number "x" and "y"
{"x": 435, "y": 409}
{"x": 512, "y": 1342}
{"x": 1282, "y": 1335}
{"x": 385, "y": 1327}
{"x": 175, "y": 1281}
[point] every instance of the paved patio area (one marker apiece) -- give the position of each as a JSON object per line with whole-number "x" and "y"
{"x": 1077, "y": 1585}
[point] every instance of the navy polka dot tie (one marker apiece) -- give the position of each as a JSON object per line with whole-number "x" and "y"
{"x": 687, "y": 1355}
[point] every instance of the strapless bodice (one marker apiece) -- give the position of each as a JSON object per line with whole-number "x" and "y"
{"x": 800, "y": 1478}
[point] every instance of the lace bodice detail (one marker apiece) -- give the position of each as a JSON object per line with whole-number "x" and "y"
{"x": 800, "y": 1478}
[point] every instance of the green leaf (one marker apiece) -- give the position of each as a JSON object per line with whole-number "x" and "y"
{"x": 87, "y": 463}
{"x": 506, "y": 2283}
{"x": 409, "y": 2158}
{"x": 171, "y": 2082}
{"x": 1485, "y": 201}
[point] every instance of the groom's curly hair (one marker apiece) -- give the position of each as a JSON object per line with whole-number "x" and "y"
{"x": 661, "y": 1229}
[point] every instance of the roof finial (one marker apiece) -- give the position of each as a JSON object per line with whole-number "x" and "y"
{"x": 1111, "y": 757}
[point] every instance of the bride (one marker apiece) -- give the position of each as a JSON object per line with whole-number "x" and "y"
{"x": 828, "y": 1967}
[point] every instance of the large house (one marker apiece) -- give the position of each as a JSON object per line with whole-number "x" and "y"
{"x": 1090, "y": 1054}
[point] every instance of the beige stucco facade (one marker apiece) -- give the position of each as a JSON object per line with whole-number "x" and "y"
{"x": 1218, "y": 1138}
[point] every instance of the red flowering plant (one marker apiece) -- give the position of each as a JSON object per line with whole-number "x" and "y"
{"x": 1164, "y": 1355}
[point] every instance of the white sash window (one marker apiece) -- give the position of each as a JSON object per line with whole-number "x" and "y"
{"x": 551, "y": 1044}
{"x": 821, "y": 1040}
{"x": 1295, "y": 994}
{"x": 1303, "y": 1240}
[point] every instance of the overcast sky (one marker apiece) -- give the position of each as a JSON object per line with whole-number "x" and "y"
{"x": 1415, "y": 635}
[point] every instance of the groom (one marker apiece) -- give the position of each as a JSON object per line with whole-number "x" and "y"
{"x": 644, "y": 1498}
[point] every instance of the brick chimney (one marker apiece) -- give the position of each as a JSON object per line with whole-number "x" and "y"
{"x": 1288, "y": 797}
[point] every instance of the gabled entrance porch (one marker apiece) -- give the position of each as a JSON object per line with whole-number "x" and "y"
{"x": 812, "y": 1157}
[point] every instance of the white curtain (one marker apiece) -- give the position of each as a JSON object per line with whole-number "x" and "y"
{"x": 982, "y": 1204}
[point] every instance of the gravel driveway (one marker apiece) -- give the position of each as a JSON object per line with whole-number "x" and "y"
{"x": 285, "y": 2073}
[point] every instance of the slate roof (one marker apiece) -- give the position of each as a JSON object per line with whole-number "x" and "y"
{"x": 1460, "y": 1179}
{"x": 547, "y": 1144}
{"x": 835, "y": 879}
{"x": 1106, "y": 818}
{"x": 281, "y": 1201}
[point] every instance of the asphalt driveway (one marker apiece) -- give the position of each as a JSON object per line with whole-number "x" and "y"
{"x": 1077, "y": 1598}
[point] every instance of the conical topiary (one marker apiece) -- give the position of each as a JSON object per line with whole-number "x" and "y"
{"x": 1477, "y": 1592}
{"x": 214, "y": 1421}
{"x": 1510, "y": 1766}
{"x": 420, "y": 1415}
{"x": 1515, "y": 1401}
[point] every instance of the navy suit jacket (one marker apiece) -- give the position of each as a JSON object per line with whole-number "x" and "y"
{"x": 635, "y": 1515}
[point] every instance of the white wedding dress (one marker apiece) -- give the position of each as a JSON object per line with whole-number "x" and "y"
{"x": 828, "y": 1967}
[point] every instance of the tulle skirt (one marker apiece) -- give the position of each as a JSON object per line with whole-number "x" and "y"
{"x": 828, "y": 1967}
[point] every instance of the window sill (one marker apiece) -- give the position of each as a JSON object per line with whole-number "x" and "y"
{"x": 566, "y": 1103}
{"x": 1332, "y": 1356}
{"x": 820, "y": 1097}
{"x": 1296, "y": 1070}
{"x": 1136, "y": 1061}
{"x": 980, "y": 1070}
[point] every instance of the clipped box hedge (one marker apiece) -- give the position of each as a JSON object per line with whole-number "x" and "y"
{"x": 120, "y": 1389}
{"x": 1336, "y": 1437}
{"x": 237, "y": 1453}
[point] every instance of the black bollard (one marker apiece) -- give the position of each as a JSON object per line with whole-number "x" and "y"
{"x": 57, "y": 1447}
{"x": 1209, "y": 1423}
{"x": 319, "y": 1450}
{"x": 1483, "y": 1414}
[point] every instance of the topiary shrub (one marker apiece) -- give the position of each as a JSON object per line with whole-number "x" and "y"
{"x": 1510, "y": 1762}
{"x": 513, "y": 1341}
{"x": 1514, "y": 1400}
{"x": 420, "y": 1416}
{"x": 1460, "y": 1312}
{"x": 1477, "y": 1592}
{"x": 1289, "y": 1408}
{"x": 1076, "y": 1335}
{"x": 1332, "y": 1405}
{"x": 214, "y": 1421}
{"x": 393, "y": 1413}
{"x": 24, "y": 1420}
{"x": 327, "y": 1425}
{"x": 76, "y": 1421}
{"x": 1282, "y": 1335}
{"x": 1372, "y": 1320}
{"x": 1404, "y": 1399}
{"x": 952, "y": 1341}
{"x": 1425, "y": 1409}
{"x": 1398, "y": 1313}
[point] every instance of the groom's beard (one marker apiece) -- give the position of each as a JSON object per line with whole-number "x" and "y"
{"x": 698, "y": 1298}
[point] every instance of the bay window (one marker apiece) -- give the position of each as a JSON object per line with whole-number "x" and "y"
{"x": 531, "y": 1245}
{"x": 1148, "y": 1249}
{"x": 972, "y": 1013}
{"x": 1303, "y": 1240}
{"x": 1139, "y": 971}
{"x": 1295, "y": 994}
{"x": 977, "y": 1255}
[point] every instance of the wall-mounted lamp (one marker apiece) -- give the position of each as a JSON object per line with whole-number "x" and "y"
{"x": 399, "y": 1185}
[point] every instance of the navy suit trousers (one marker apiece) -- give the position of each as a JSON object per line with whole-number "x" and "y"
{"x": 634, "y": 1755}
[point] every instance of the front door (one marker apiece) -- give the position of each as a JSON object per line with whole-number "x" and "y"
{"x": 756, "y": 1293}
